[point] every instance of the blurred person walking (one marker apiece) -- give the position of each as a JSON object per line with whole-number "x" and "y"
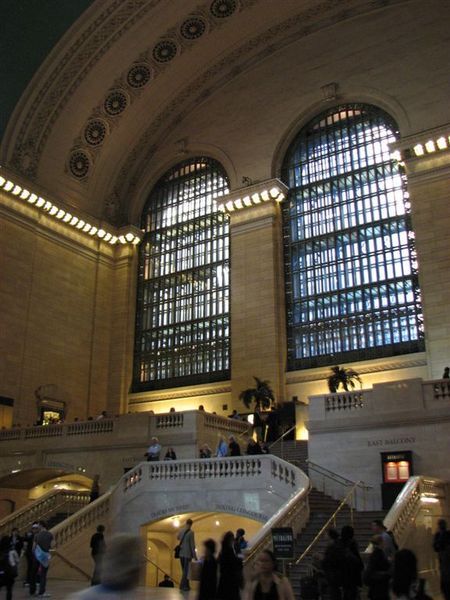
{"x": 98, "y": 548}
{"x": 378, "y": 571}
{"x": 268, "y": 584}
{"x": 441, "y": 545}
{"x": 122, "y": 566}
{"x": 389, "y": 546}
{"x": 333, "y": 565}
{"x": 353, "y": 564}
{"x": 9, "y": 560}
{"x": 208, "y": 578}
{"x": 406, "y": 584}
{"x": 230, "y": 565}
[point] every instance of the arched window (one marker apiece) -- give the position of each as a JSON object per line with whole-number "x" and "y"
{"x": 182, "y": 322}
{"x": 351, "y": 281}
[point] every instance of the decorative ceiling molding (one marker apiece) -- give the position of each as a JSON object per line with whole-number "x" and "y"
{"x": 57, "y": 81}
{"x": 58, "y": 85}
{"x": 228, "y": 67}
{"x": 140, "y": 73}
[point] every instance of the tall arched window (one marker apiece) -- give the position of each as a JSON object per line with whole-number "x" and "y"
{"x": 182, "y": 322}
{"x": 351, "y": 281}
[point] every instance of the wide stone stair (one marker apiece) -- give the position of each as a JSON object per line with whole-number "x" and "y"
{"x": 322, "y": 507}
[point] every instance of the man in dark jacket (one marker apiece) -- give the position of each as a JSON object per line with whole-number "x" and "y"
{"x": 441, "y": 545}
{"x": 98, "y": 548}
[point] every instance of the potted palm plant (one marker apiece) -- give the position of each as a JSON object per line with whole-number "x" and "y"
{"x": 262, "y": 395}
{"x": 341, "y": 377}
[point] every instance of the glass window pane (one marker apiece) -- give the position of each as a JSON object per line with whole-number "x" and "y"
{"x": 351, "y": 283}
{"x": 183, "y": 286}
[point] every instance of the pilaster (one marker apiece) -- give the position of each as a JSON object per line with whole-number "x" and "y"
{"x": 427, "y": 161}
{"x": 258, "y": 345}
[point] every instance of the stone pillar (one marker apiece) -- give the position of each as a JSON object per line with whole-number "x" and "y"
{"x": 123, "y": 302}
{"x": 258, "y": 346}
{"x": 427, "y": 160}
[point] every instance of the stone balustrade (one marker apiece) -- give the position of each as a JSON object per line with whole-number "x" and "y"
{"x": 393, "y": 417}
{"x": 84, "y": 519}
{"x": 406, "y": 395}
{"x": 110, "y": 445}
{"x": 43, "y": 508}
{"x": 236, "y": 485}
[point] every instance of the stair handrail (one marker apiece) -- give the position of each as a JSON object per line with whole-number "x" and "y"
{"x": 335, "y": 476}
{"x": 288, "y": 515}
{"x": 158, "y": 568}
{"x": 332, "y": 519}
{"x": 17, "y": 515}
{"x": 283, "y": 435}
{"x": 70, "y": 563}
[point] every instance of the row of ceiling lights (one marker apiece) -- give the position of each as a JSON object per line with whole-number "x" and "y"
{"x": 63, "y": 215}
{"x": 422, "y": 148}
{"x": 276, "y": 192}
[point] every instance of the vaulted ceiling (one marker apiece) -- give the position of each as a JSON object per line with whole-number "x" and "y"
{"x": 136, "y": 84}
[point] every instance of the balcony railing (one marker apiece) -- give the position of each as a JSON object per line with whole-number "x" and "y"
{"x": 407, "y": 395}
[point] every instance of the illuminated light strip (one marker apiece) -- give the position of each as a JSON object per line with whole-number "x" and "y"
{"x": 420, "y": 146}
{"x": 128, "y": 235}
{"x": 272, "y": 190}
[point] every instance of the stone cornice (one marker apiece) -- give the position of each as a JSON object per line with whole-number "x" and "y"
{"x": 177, "y": 393}
{"x": 318, "y": 427}
{"x": 378, "y": 366}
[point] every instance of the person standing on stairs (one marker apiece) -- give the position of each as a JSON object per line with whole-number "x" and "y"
{"x": 333, "y": 565}
{"x": 353, "y": 564}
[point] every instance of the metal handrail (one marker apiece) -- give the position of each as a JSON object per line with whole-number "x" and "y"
{"x": 282, "y": 436}
{"x": 70, "y": 563}
{"x": 286, "y": 515}
{"x": 158, "y": 568}
{"x": 332, "y": 519}
{"x": 335, "y": 476}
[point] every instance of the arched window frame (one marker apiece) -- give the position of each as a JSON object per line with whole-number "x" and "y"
{"x": 182, "y": 314}
{"x": 322, "y": 327}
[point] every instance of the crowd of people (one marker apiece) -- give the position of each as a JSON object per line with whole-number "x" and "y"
{"x": 388, "y": 573}
{"x": 224, "y": 448}
{"x": 34, "y": 547}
